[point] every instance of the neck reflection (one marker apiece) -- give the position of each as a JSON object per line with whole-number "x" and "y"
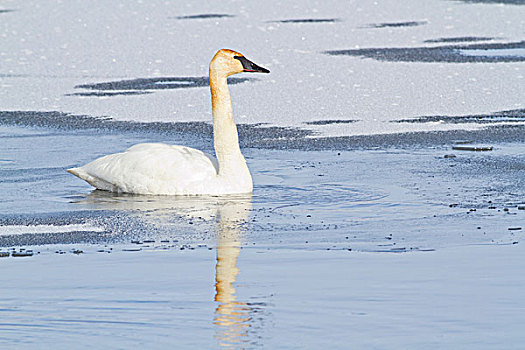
{"x": 232, "y": 318}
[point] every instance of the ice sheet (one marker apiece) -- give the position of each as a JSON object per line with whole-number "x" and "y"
{"x": 40, "y": 229}
{"x": 49, "y": 48}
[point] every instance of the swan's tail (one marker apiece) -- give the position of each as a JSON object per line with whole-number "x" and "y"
{"x": 81, "y": 173}
{"x": 75, "y": 171}
{"x": 92, "y": 180}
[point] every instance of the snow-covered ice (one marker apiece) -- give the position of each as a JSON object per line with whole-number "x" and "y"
{"x": 50, "y": 48}
{"x": 39, "y": 229}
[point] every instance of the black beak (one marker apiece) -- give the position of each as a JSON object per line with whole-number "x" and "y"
{"x": 249, "y": 66}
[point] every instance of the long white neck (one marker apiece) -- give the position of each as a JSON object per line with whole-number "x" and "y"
{"x": 225, "y": 138}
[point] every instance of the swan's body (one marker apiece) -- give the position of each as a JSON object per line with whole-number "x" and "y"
{"x": 161, "y": 169}
{"x": 155, "y": 168}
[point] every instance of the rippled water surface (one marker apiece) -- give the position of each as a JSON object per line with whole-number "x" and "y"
{"x": 231, "y": 271}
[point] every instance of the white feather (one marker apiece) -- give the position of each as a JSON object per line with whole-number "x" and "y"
{"x": 152, "y": 168}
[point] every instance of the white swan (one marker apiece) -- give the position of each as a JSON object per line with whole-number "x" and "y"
{"x": 161, "y": 169}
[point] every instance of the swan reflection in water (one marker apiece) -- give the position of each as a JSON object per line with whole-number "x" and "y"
{"x": 233, "y": 319}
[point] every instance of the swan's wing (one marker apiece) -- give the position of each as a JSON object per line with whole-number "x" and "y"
{"x": 151, "y": 168}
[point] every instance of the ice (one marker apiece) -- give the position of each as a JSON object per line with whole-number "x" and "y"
{"x": 40, "y": 229}
{"x": 49, "y": 48}
{"x": 386, "y": 148}
{"x": 495, "y": 53}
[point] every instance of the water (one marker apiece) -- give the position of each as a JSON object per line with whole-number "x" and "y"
{"x": 184, "y": 298}
{"x": 351, "y": 242}
{"x": 495, "y": 53}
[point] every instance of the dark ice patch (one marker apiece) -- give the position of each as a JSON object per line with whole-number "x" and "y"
{"x": 449, "y": 53}
{"x": 65, "y": 121}
{"x": 12, "y": 75}
{"x": 330, "y": 121}
{"x": 260, "y": 136}
{"x": 505, "y": 2}
{"x": 6, "y": 11}
{"x": 397, "y": 24}
{"x": 141, "y": 86}
{"x": 205, "y": 16}
{"x": 251, "y": 135}
{"x": 307, "y": 20}
{"x": 157, "y": 83}
{"x": 516, "y": 115}
{"x": 459, "y": 39}
{"x": 108, "y": 94}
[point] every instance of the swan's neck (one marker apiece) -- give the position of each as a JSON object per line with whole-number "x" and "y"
{"x": 225, "y": 137}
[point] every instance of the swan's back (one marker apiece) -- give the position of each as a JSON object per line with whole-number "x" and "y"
{"x": 152, "y": 168}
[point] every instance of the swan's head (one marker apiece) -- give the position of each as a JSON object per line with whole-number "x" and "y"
{"x": 229, "y": 62}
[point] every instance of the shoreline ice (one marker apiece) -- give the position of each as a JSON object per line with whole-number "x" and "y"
{"x": 7, "y": 230}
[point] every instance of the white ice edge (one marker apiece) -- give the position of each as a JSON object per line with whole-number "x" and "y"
{"x": 32, "y": 229}
{"x": 172, "y": 82}
{"x": 493, "y": 52}
{"x": 343, "y": 130}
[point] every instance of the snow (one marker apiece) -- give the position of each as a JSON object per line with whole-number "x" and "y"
{"x": 507, "y": 52}
{"x": 39, "y": 229}
{"x": 468, "y": 298}
{"x": 50, "y": 47}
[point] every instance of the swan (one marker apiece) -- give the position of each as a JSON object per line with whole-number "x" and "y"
{"x": 162, "y": 169}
